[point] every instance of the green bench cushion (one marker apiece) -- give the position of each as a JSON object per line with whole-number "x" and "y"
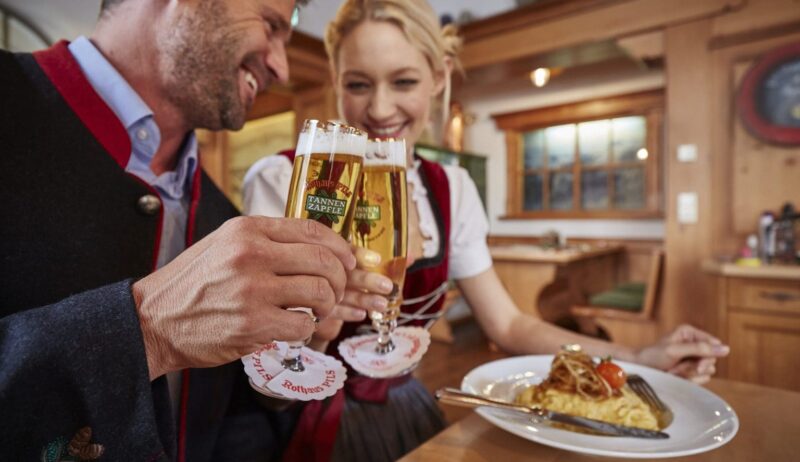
{"x": 629, "y": 298}
{"x": 633, "y": 287}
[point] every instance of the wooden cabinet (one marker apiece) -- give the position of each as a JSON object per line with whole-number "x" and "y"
{"x": 764, "y": 349}
{"x": 759, "y": 317}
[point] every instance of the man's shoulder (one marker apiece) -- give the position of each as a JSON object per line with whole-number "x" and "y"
{"x": 8, "y": 62}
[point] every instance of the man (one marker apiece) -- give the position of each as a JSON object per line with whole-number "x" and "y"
{"x": 101, "y": 184}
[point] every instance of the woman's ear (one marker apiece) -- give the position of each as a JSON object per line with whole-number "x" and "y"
{"x": 442, "y": 76}
{"x": 334, "y": 77}
{"x": 337, "y": 93}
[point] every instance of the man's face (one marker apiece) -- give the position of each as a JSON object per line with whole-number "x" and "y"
{"x": 216, "y": 55}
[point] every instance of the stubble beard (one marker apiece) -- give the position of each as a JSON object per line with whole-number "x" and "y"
{"x": 201, "y": 71}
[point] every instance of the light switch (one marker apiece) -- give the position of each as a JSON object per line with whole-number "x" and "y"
{"x": 687, "y": 207}
{"x": 687, "y": 153}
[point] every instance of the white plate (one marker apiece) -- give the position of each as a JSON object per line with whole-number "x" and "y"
{"x": 703, "y": 421}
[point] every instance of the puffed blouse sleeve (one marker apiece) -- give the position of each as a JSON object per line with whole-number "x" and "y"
{"x": 469, "y": 252}
{"x": 266, "y": 186}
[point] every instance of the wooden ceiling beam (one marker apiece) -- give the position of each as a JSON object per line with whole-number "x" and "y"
{"x": 588, "y": 21}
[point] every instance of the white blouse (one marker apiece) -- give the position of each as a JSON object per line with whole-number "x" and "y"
{"x": 266, "y": 186}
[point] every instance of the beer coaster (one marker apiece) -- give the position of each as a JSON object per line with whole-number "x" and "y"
{"x": 322, "y": 376}
{"x": 410, "y": 343}
{"x": 266, "y": 391}
{"x": 265, "y": 364}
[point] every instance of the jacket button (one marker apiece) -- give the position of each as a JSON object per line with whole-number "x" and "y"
{"x": 149, "y": 204}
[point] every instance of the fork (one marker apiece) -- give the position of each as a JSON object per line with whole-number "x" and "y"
{"x": 649, "y": 396}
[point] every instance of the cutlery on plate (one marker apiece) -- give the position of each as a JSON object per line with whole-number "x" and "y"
{"x": 649, "y": 396}
{"x": 459, "y": 398}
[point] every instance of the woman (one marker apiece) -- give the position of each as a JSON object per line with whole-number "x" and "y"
{"x": 392, "y": 63}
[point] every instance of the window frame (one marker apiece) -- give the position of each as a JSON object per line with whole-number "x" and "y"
{"x": 649, "y": 104}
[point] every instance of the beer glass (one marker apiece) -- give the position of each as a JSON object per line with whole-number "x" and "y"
{"x": 380, "y": 224}
{"x": 325, "y": 175}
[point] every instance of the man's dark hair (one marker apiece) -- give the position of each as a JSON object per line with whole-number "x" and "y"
{"x": 105, "y": 5}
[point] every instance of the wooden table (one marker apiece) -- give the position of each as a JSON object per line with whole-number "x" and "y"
{"x": 769, "y": 426}
{"x": 549, "y": 281}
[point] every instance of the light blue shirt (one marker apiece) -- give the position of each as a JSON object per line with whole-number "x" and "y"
{"x": 174, "y": 187}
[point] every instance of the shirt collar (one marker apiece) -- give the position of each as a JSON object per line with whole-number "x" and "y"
{"x": 134, "y": 113}
{"x": 109, "y": 84}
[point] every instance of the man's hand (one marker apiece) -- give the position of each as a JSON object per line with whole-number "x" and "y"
{"x": 687, "y": 351}
{"x": 225, "y": 296}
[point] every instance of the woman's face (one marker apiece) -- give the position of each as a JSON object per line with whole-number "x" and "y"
{"x": 384, "y": 83}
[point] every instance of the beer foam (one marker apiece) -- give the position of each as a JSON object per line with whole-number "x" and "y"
{"x": 386, "y": 152}
{"x": 330, "y": 137}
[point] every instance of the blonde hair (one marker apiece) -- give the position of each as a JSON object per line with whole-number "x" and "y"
{"x": 418, "y": 22}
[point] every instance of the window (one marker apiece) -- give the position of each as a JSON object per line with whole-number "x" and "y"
{"x": 594, "y": 159}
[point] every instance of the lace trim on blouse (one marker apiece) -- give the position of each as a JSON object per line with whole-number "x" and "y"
{"x": 427, "y": 222}
{"x": 421, "y": 314}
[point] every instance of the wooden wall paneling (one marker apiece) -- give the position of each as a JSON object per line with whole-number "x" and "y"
{"x": 270, "y": 102}
{"x": 731, "y": 225}
{"x": 213, "y": 147}
{"x": 315, "y": 103}
{"x": 686, "y": 296}
{"x": 757, "y": 15}
{"x": 721, "y": 328}
{"x": 514, "y": 170}
{"x": 615, "y": 20}
{"x": 764, "y": 176}
{"x": 308, "y": 62}
{"x": 655, "y": 168}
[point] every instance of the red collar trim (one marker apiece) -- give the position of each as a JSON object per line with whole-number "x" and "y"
{"x": 66, "y": 75}
{"x": 195, "y": 201}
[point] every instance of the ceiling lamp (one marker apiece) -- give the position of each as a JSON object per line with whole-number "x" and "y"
{"x": 540, "y": 76}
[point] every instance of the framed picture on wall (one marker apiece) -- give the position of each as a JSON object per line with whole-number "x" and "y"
{"x": 769, "y": 97}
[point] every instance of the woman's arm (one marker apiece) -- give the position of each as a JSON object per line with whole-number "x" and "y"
{"x": 520, "y": 333}
{"x": 687, "y": 351}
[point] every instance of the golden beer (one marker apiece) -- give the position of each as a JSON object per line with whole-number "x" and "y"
{"x": 381, "y": 217}
{"x": 323, "y": 187}
{"x": 325, "y": 175}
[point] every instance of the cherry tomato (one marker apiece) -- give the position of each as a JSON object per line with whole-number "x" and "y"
{"x": 612, "y": 374}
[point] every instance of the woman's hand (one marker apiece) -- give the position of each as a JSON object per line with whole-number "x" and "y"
{"x": 687, "y": 352}
{"x": 365, "y": 291}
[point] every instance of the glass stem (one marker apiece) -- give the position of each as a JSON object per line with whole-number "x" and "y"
{"x": 385, "y": 329}
{"x": 292, "y": 360}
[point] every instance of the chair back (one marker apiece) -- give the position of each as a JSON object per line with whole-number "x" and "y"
{"x": 653, "y": 284}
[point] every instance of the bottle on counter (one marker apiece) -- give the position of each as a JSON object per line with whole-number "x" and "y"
{"x": 784, "y": 238}
{"x": 766, "y": 233}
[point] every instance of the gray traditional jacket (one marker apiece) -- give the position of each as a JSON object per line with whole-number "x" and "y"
{"x": 76, "y": 231}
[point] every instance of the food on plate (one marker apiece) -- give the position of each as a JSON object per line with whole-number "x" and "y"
{"x": 578, "y": 386}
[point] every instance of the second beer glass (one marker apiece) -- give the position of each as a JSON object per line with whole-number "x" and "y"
{"x": 380, "y": 224}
